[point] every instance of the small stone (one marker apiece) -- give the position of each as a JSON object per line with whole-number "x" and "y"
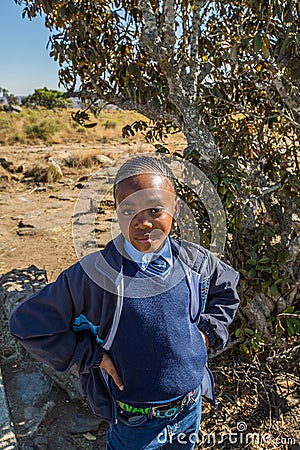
{"x": 83, "y": 423}
{"x": 102, "y": 159}
{"x": 31, "y": 386}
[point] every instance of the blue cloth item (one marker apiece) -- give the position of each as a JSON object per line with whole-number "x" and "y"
{"x": 141, "y": 432}
{"x": 143, "y": 259}
{"x": 158, "y": 267}
{"x": 169, "y": 345}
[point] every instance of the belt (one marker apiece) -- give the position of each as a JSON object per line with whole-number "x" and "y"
{"x": 168, "y": 410}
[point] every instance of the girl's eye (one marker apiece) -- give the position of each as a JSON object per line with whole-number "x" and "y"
{"x": 156, "y": 210}
{"x": 128, "y": 212}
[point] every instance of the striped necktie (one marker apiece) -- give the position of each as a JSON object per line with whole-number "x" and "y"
{"x": 159, "y": 267}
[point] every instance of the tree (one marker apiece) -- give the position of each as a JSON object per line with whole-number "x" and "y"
{"x": 226, "y": 73}
{"x": 11, "y": 99}
{"x": 47, "y": 98}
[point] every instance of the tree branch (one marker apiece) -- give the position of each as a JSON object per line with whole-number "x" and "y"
{"x": 292, "y": 104}
{"x": 127, "y": 104}
{"x": 168, "y": 26}
{"x": 150, "y": 38}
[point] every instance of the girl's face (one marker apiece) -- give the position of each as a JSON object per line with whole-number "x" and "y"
{"x": 146, "y": 205}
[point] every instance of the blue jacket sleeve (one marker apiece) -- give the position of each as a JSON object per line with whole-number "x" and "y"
{"x": 43, "y": 325}
{"x": 222, "y": 304}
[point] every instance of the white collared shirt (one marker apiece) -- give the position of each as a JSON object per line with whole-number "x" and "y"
{"x": 143, "y": 259}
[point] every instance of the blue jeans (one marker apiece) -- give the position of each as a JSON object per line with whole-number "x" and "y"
{"x": 179, "y": 432}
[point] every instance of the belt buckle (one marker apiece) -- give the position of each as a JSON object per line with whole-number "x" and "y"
{"x": 164, "y": 413}
{"x": 169, "y": 410}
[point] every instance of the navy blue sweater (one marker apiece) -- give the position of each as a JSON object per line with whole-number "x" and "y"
{"x": 158, "y": 351}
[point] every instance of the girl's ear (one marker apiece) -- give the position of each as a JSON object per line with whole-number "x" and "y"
{"x": 176, "y": 208}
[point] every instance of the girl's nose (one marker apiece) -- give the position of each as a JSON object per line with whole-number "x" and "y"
{"x": 142, "y": 220}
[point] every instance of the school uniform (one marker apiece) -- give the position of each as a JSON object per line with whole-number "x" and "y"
{"x": 149, "y": 324}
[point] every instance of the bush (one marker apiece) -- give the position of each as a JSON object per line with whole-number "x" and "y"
{"x": 41, "y": 130}
{"x": 41, "y": 174}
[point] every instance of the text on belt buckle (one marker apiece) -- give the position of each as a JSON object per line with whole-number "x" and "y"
{"x": 166, "y": 413}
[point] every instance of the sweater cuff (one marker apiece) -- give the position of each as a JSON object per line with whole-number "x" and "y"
{"x": 98, "y": 356}
{"x": 211, "y": 335}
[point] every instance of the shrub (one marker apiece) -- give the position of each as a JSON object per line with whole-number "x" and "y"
{"x": 42, "y": 174}
{"x": 41, "y": 130}
{"x": 110, "y": 124}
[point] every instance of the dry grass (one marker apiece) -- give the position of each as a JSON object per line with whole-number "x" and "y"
{"x": 43, "y": 174}
{"x": 36, "y": 126}
{"x": 258, "y": 399}
{"x": 81, "y": 161}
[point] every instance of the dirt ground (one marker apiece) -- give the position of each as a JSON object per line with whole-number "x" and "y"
{"x": 258, "y": 395}
{"x": 37, "y": 217}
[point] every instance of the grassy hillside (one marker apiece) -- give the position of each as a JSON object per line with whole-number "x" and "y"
{"x": 43, "y": 126}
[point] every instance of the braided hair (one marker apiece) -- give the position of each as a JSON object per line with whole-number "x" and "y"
{"x": 144, "y": 164}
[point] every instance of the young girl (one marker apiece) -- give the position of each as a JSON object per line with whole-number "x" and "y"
{"x": 130, "y": 318}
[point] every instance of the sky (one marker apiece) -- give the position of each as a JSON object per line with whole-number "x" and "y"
{"x": 25, "y": 63}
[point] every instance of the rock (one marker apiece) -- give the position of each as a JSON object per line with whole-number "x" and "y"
{"x": 28, "y": 232}
{"x": 31, "y": 386}
{"x": 5, "y": 164}
{"x": 12, "y": 108}
{"x": 41, "y": 443}
{"x": 102, "y": 159}
{"x": 102, "y": 227}
{"x": 63, "y": 197}
{"x": 23, "y": 225}
{"x": 82, "y": 422}
{"x": 29, "y": 391}
{"x": 68, "y": 381}
{"x": 60, "y": 160}
{"x": 33, "y": 416}
{"x": 16, "y": 285}
{"x": 7, "y": 437}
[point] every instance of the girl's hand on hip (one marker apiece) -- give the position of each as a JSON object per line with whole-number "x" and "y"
{"x": 108, "y": 366}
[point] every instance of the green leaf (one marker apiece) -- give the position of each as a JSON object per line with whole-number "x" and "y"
{"x": 251, "y": 262}
{"x": 249, "y": 331}
{"x": 252, "y": 273}
{"x": 290, "y": 309}
{"x": 238, "y": 332}
{"x": 264, "y": 260}
{"x": 285, "y": 46}
{"x": 274, "y": 290}
{"x": 215, "y": 179}
{"x": 258, "y": 42}
{"x": 281, "y": 257}
{"x": 267, "y": 270}
{"x": 90, "y": 125}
